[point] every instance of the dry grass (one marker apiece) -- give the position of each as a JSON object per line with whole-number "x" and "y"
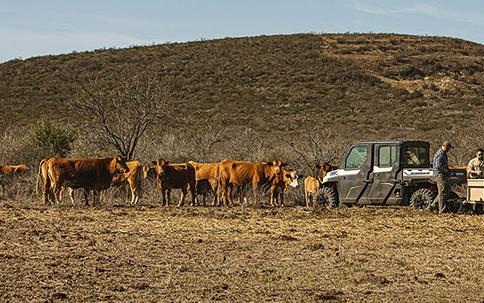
{"x": 242, "y": 254}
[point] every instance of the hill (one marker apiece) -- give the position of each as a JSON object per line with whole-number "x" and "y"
{"x": 376, "y": 84}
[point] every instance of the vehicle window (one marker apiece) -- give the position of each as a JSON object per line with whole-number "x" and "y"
{"x": 387, "y": 156}
{"x": 415, "y": 156}
{"x": 356, "y": 158}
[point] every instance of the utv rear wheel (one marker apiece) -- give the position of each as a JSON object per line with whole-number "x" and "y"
{"x": 422, "y": 198}
{"x": 327, "y": 197}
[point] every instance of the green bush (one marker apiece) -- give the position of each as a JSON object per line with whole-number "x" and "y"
{"x": 52, "y": 138}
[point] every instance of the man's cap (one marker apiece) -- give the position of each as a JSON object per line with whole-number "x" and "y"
{"x": 447, "y": 143}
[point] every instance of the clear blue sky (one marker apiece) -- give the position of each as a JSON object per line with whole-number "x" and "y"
{"x": 39, "y": 27}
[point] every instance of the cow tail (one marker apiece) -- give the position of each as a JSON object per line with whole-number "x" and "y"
{"x": 39, "y": 173}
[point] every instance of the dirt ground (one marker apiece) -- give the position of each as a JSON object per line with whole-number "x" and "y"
{"x": 240, "y": 254}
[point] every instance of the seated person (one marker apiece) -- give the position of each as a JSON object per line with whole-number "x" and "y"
{"x": 412, "y": 158}
{"x": 476, "y": 166}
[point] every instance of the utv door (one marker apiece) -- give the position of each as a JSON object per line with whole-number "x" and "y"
{"x": 384, "y": 175}
{"x": 354, "y": 180}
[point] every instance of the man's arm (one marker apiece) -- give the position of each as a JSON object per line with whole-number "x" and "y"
{"x": 471, "y": 173}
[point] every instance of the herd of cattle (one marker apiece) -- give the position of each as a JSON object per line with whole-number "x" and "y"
{"x": 224, "y": 180}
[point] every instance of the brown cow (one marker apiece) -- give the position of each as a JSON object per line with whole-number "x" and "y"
{"x": 169, "y": 176}
{"x": 44, "y": 176}
{"x": 237, "y": 174}
{"x": 8, "y": 171}
{"x": 90, "y": 174}
{"x": 311, "y": 189}
{"x": 133, "y": 178}
{"x": 324, "y": 169}
{"x": 206, "y": 179}
{"x": 280, "y": 185}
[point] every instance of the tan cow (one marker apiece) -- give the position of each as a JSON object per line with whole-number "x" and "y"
{"x": 8, "y": 171}
{"x": 90, "y": 174}
{"x": 234, "y": 175}
{"x": 169, "y": 176}
{"x": 206, "y": 180}
{"x": 311, "y": 189}
{"x": 312, "y": 185}
{"x": 133, "y": 178}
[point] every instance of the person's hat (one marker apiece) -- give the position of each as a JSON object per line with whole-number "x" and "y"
{"x": 447, "y": 143}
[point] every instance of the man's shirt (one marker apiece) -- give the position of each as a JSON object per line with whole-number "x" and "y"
{"x": 440, "y": 163}
{"x": 476, "y": 165}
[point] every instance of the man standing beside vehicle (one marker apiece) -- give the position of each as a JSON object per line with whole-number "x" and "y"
{"x": 441, "y": 172}
{"x": 476, "y": 166}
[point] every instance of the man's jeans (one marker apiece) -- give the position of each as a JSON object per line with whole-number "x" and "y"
{"x": 443, "y": 192}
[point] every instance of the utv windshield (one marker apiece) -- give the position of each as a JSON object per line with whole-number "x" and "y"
{"x": 416, "y": 156}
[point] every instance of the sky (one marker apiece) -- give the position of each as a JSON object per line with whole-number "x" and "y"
{"x": 41, "y": 27}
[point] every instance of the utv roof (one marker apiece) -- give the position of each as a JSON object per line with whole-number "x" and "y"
{"x": 391, "y": 142}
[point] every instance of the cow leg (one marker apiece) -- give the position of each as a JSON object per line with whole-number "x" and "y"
{"x": 273, "y": 194}
{"x": 215, "y": 197}
{"x": 57, "y": 189}
{"x": 214, "y": 187}
{"x": 282, "y": 198}
{"x": 238, "y": 194}
{"x": 71, "y": 194}
{"x": 183, "y": 195}
{"x": 132, "y": 188}
{"x": 306, "y": 197}
{"x": 46, "y": 194}
{"x": 85, "y": 194}
{"x": 229, "y": 196}
{"x": 256, "y": 196}
{"x": 95, "y": 198}
{"x": 138, "y": 189}
{"x": 225, "y": 195}
{"x": 168, "y": 197}
{"x": 163, "y": 196}
{"x": 193, "y": 193}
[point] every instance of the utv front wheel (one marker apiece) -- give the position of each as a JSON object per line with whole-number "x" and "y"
{"x": 422, "y": 198}
{"x": 327, "y": 197}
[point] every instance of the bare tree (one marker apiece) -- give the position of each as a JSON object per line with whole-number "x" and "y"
{"x": 205, "y": 138}
{"x": 119, "y": 111}
{"x": 315, "y": 147}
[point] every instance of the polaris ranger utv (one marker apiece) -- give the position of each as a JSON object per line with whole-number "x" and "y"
{"x": 384, "y": 173}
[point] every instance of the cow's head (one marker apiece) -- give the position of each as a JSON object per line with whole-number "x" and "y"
{"x": 149, "y": 172}
{"x": 120, "y": 165}
{"x": 22, "y": 168}
{"x": 324, "y": 169}
{"x": 277, "y": 166}
{"x": 160, "y": 168}
{"x": 118, "y": 179}
{"x": 290, "y": 177}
